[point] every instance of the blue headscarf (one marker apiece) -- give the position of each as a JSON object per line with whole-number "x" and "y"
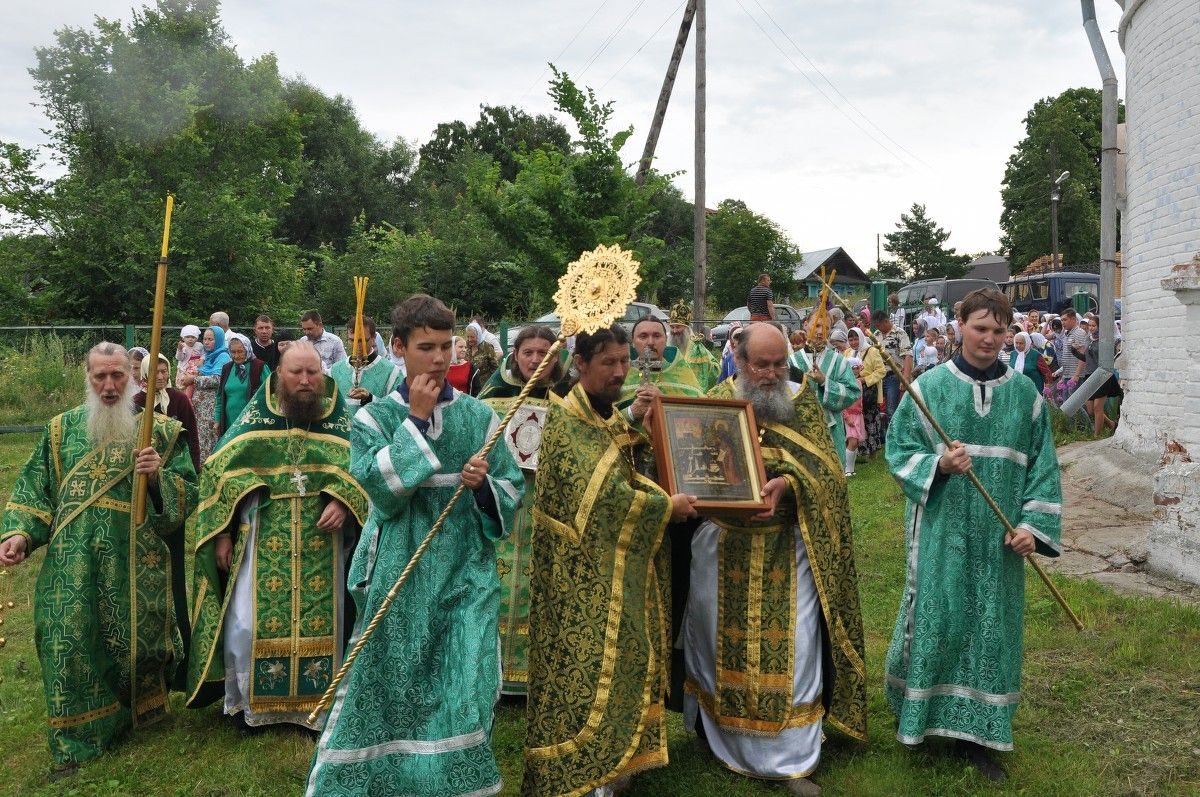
{"x": 215, "y": 360}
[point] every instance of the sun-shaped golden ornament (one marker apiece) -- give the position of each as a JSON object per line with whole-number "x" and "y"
{"x": 596, "y": 289}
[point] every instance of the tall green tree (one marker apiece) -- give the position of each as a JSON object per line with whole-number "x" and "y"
{"x": 501, "y": 132}
{"x": 161, "y": 104}
{"x": 346, "y": 172}
{"x": 741, "y": 245}
{"x": 1068, "y": 124}
{"x": 919, "y": 250}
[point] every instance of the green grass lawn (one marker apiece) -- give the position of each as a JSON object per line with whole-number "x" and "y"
{"x": 1112, "y": 711}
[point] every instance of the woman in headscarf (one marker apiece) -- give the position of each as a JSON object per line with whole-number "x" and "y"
{"x": 1025, "y": 359}
{"x": 136, "y": 355}
{"x": 174, "y": 404}
{"x": 728, "y": 368}
{"x": 205, "y": 384}
{"x": 482, "y": 355}
{"x": 240, "y": 379}
{"x": 461, "y": 371}
{"x": 871, "y": 375}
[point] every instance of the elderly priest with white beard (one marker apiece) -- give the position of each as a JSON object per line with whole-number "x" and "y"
{"x": 103, "y": 620}
{"x": 773, "y": 635}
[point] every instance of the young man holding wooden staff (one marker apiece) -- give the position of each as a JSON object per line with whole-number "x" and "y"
{"x": 954, "y": 665}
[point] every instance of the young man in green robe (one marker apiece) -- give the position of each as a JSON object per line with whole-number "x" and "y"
{"x": 103, "y": 616}
{"x": 378, "y": 377}
{"x": 774, "y": 634}
{"x": 523, "y": 437}
{"x": 954, "y": 665}
{"x": 599, "y": 589}
{"x": 414, "y": 713}
{"x": 277, "y": 515}
{"x": 836, "y": 385}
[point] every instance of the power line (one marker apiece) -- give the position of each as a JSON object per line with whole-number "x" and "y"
{"x": 566, "y": 47}
{"x": 648, "y": 40}
{"x": 612, "y": 37}
{"x": 825, "y": 77}
{"x": 819, "y": 90}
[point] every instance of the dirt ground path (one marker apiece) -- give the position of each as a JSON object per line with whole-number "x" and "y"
{"x": 1107, "y": 512}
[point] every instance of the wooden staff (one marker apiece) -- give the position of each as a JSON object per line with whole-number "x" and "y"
{"x": 970, "y": 474}
{"x": 358, "y": 343}
{"x": 327, "y": 698}
{"x": 140, "y": 481}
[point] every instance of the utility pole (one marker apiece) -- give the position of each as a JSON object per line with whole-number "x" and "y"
{"x": 1053, "y": 209}
{"x": 700, "y": 240}
{"x": 878, "y": 260}
{"x": 664, "y": 94}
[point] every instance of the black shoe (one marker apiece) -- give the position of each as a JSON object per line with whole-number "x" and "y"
{"x": 65, "y": 771}
{"x": 981, "y": 758}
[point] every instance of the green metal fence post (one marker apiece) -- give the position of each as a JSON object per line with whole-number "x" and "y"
{"x": 504, "y": 337}
{"x": 130, "y": 339}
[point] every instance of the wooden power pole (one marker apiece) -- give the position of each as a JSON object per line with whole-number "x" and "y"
{"x": 700, "y": 239}
{"x": 664, "y": 94}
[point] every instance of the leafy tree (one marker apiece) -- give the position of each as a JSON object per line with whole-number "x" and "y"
{"x": 919, "y": 251}
{"x": 23, "y": 295}
{"x": 1070, "y": 124}
{"x": 560, "y": 204}
{"x": 163, "y": 104}
{"x": 392, "y": 261}
{"x": 501, "y": 131}
{"x": 741, "y": 245}
{"x": 346, "y": 172}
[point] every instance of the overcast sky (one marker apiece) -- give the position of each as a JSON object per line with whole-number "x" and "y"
{"x": 913, "y": 101}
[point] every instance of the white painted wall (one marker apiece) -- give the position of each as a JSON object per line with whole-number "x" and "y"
{"x": 1161, "y": 228}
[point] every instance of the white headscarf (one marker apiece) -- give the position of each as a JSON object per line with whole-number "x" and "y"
{"x": 863, "y": 343}
{"x": 1019, "y": 365}
{"x": 483, "y": 336}
{"x": 1039, "y": 340}
{"x": 454, "y": 349}
{"x": 161, "y": 399}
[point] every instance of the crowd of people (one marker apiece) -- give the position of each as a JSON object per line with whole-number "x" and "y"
{"x": 566, "y": 577}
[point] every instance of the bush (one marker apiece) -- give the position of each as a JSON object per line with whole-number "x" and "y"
{"x": 38, "y": 381}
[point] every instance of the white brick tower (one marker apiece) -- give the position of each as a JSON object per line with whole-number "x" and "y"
{"x": 1161, "y": 279}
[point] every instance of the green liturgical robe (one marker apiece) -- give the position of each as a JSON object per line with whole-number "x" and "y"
{"x": 775, "y": 633}
{"x": 272, "y": 641}
{"x": 414, "y": 713}
{"x": 841, "y": 389}
{"x": 513, "y": 553}
{"x": 599, "y": 610}
{"x": 702, "y": 363}
{"x": 103, "y": 619}
{"x": 954, "y": 664}
{"x": 675, "y": 379}
{"x": 379, "y": 377}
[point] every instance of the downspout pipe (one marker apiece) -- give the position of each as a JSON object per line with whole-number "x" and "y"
{"x": 1108, "y": 211}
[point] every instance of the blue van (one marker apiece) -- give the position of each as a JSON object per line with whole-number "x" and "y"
{"x": 1052, "y": 292}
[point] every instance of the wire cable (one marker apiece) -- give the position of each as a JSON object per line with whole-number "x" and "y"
{"x": 611, "y": 38}
{"x": 648, "y": 40}
{"x": 562, "y": 52}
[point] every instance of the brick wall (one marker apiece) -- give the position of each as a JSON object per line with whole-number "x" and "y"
{"x": 1161, "y": 227}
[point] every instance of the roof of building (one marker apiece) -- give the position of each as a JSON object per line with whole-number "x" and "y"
{"x": 988, "y": 267}
{"x": 835, "y": 259}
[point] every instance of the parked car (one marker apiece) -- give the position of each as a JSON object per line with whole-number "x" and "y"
{"x": 914, "y": 295}
{"x": 1052, "y": 292}
{"x": 787, "y": 315}
{"x": 633, "y": 313}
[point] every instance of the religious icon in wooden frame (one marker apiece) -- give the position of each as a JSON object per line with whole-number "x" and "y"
{"x": 709, "y": 448}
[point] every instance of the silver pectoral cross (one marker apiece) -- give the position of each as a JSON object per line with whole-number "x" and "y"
{"x": 647, "y": 364}
{"x": 299, "y": 479}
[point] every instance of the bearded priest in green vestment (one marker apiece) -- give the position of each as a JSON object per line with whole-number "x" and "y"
{"x": 774, "y": 634}
{"x": 414, "y": 713}
{"x": 662, "y": 365}
{"x": 378, "y": 377}
{"x": 954, "y": 665}
{"x": 702, "y": 362}
{"x": 102, "y": 613}
{"x": 523, "y": 437}
{"x": 277, "y": 515}
{"x": 599, "y": 591}
{"x": 835, "y": 383}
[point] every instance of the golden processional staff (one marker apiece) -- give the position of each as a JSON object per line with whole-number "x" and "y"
{"x": 147, "y": 430}
{"x": 358, "y": 344}
{"x": 592, "y": 294}
{"x": 970, "y": 474}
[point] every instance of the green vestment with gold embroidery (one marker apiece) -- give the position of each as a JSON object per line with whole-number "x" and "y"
{"x": 703, "y": 364}
{"x": 599, "y": 606}
{"x": 753, "y": 689}
{"x": 103, "y": 616}
{"x": 675, "y": 379}
{"x": 379, "y": 377}
{"x": 514, "y": 552}
{"x": 269, "y": 482}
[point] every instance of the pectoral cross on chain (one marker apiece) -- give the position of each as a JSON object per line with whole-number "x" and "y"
{"x": 647, "y": 364}
{"x": 299, "y": 479}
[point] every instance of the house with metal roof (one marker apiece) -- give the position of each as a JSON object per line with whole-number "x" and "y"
{"x": 849, "y": 278}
